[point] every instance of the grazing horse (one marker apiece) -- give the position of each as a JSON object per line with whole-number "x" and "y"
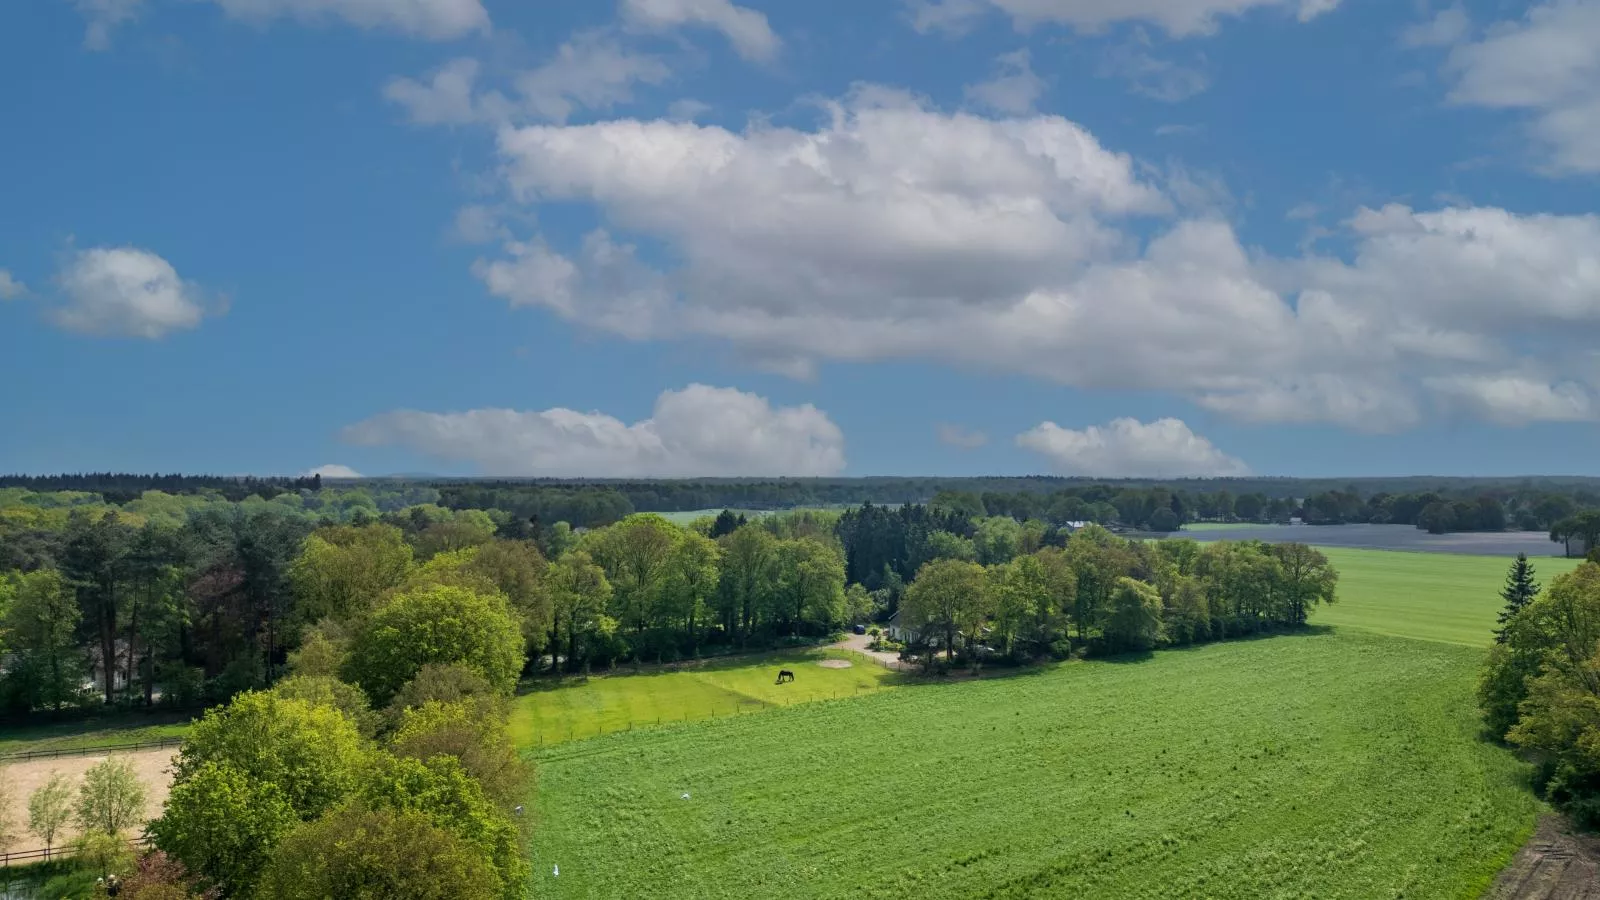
{"x": 785, "y": 675}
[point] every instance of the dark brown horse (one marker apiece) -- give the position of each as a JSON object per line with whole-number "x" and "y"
{"x": 785, "y": 675}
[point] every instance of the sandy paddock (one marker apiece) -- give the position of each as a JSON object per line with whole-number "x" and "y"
{"x": 23, "y": 778}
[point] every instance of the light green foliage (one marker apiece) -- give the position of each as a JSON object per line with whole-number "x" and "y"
{"x": 321, "y": 651}
{"x": 310, "y": 753}
{"x": 1133, "y": 621}
{"x": 50, "y": 808}
{"x": 435, "y": 625}
{"x": 447, "y": 684}
{"x": 325, "y": 690}
{"x": 811, "y": 583}
{"x": 579, "y": 596}
{"x": 1549, "y": 665}
{"x": 944, "y": 545}
{"x": 344, "y": 571}
{"x": 99, "y": 851}
{"x": 571, "y": 710}
{"x": 359, "y": 854}
{"x": 472, "y": 732}
{"x": 224, "y": 825}
{"x": 858, "y": 605}
{"x": 40, "y": 624}
{"x": 517, "y": 569}
{"x": 1437, "y": 596}
{"x": 691, "y": 581}
{"x": 1190, "y": 774}
{"x": 949, "y": 597}
{"x": 637, "y": 555}
{"x": 111, "y": 798}
{"x": 440, "y": 789}
{"x": 749, "y": 573}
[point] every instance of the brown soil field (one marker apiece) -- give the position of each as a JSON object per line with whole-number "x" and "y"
{"x": 1557, "y": 863}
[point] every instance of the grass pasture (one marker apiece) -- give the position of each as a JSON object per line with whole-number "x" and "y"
{"x": 577, "y": 708}
{"x": 1432, "y": 596}
{"x": 112, "y": 730}
{"x": 1332, "y": 764}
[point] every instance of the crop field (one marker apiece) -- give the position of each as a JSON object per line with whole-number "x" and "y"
{"x": 580, "y": 708}
{"x": 1435, "y": 596}
{"x": 1335, "y": 764}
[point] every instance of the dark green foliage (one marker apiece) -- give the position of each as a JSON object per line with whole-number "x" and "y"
{"x": 1520, "y": 590}
{"x": 1541, "y": 689}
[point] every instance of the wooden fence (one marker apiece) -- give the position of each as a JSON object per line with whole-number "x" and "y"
{"x": 25, "y": 857}
{"x": 90, "y": 751}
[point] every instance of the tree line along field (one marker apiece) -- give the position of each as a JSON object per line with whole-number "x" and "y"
{"x": 1336, "y": 764}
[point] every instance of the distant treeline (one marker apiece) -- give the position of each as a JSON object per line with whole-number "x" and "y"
{"x": 121, "y": 487}
{"x": 1456, "y": 505}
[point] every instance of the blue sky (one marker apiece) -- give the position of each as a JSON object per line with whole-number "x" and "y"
{"x": 694, "y": 237}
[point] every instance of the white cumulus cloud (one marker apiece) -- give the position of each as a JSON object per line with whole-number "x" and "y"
{"x": 431, "y": 19}
{"x": 10, "y": 288}
{"x": 958, "y": 436}
{"x": 697, "y": 431}
{"x": 127, "y": 292}
{"x": 103, "y": 17}
{"x": 747, "y": 29}
{"x": 891, "y": 229}
{"x": 1014, "y": 88}
{"x": 332, "y": 471}
{"x": 1128, "y": 448}
{"x": 1514, "y": 399}
{"x": 1180, "y": 18}
{"x": 1546, "y": 64}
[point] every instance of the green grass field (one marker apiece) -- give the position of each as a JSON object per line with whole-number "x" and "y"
{"x": 579, "y": 708}
{"x": 1319, "y": 765}
{"x": 99, "y": 731}
{"x": 1433, "y": 596}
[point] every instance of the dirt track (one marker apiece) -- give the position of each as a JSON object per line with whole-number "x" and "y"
{"x": 153, "y": 766}
{"x": 1555, "y": 864}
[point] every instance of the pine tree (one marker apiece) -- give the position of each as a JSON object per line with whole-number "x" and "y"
{"x": 1520, "y": 590}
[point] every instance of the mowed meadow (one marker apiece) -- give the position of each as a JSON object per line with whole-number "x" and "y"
{"x": 1433, "y": 596}
{"x": 1345, "y": 761}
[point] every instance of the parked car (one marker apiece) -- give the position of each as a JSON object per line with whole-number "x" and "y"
{"x": 860, "y": 629}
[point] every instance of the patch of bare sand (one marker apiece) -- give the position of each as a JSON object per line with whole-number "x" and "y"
{"x": 23, "y": 778}
{"x": 1557, "y": 863}
{"x": 834, "y": 663}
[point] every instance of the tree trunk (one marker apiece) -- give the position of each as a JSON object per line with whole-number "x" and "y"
{"x": 133, "y": 641}
{"x": 108, "y": 640}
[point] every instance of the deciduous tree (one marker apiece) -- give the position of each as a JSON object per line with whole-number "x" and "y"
{"x": 50, "y": 808}
{"x": 435, "y": 625}
{"x": 111, "y": 798}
